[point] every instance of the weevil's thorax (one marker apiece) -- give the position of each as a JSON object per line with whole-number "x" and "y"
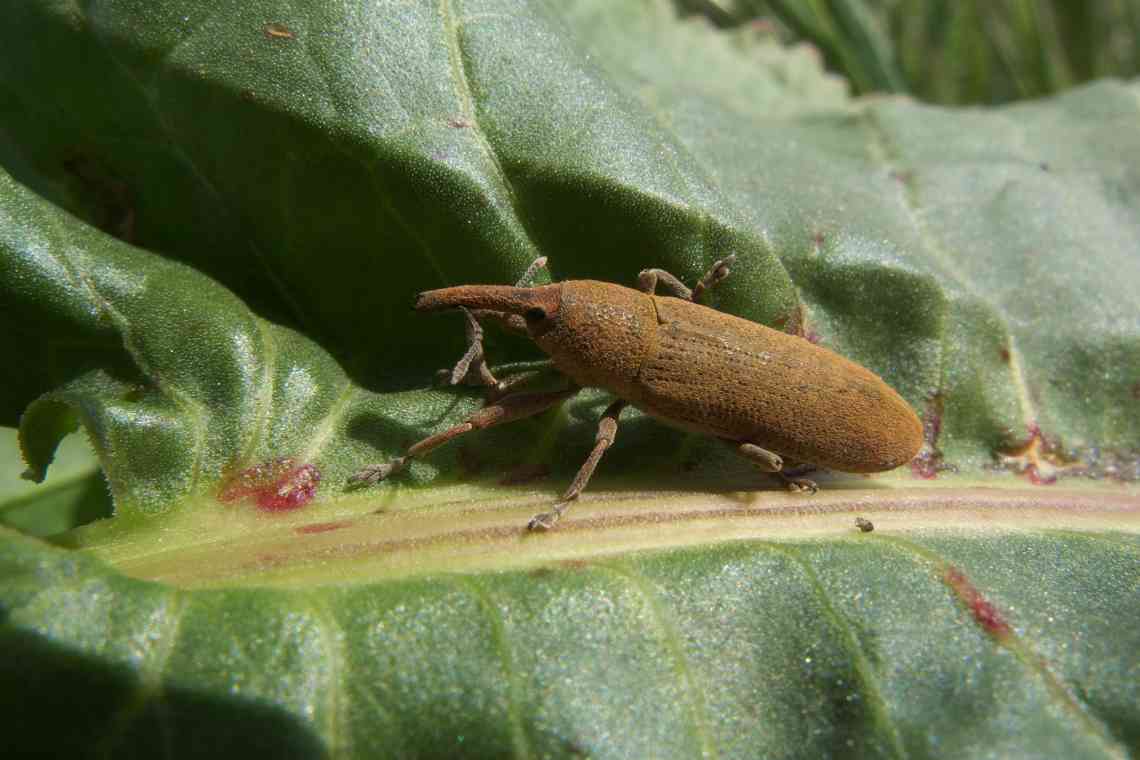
{"x": 602, "y": 334}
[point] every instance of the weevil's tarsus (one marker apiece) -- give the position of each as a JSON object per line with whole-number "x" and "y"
{"x": 649, "y": 279}
{"x": 718, "y": 272}
{"x": 504, "y": 410}
{"x": 798, "y": 485}
{"x": 607, "y": 431}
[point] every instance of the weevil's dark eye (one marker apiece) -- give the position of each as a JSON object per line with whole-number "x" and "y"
{"x": 535, "y": 314}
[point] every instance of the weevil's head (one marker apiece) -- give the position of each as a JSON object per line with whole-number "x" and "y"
{"x": 539, "y": 307}
{"x": 597, "y": 333}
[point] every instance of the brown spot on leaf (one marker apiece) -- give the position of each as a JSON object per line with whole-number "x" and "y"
{"x": 322, "y": 527}
{"x": 275, "y": 31}
{"x": 458, "y": 122}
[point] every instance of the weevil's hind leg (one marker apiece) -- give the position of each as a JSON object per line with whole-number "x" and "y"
{"x": 607, "y": 431}
{"x": 771, "y": 462}
{"x": 649, "y": 279}
{"x": 507, "y": 409}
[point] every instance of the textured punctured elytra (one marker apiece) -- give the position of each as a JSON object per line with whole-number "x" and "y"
{"x": 767, "y": 394}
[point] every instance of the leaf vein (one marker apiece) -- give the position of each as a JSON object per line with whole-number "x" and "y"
{"x": 698, "y": 711}
{"x": 871, "y": 686}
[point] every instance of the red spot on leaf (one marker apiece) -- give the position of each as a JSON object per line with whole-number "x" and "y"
{"x": 1039, "y": 478}
{"x": 322, "y": 527}
{"x": 929, "y": 462}
{"x": 796, "y": 324}
{"x": 278, "y": 485}
{"x": 985, "y": 613}
{"x": 1036, "y": 458}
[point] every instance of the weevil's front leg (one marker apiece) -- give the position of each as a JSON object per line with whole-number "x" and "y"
{"x": 507, "y": 409}
{"x": 607, "y": 431}
{"x": 771, "y": 462}
{"x": 472, "y": 368}
{"x": 649, "y": 279}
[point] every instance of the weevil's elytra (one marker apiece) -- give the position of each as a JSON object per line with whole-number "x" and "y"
{"x": 768, "y": 394}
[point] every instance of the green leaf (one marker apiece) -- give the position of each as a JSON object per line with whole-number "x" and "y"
{"x": 213, "y": 222}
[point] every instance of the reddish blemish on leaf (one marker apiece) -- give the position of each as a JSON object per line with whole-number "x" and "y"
{"x": 1031, "y": 458}
{"x": 985, "y": 613}
{"x": 795, "y": 323}
{"x": 929, "y": 462}
{"x": 1005, "y": 355}
{"x": 278, "y": 485}
{"x": 322, "y": 527}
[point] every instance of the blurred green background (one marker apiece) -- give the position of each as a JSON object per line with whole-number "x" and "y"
{"x": 954, "y": 52}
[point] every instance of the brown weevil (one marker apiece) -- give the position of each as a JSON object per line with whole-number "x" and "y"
{"x": 690, "y": 366}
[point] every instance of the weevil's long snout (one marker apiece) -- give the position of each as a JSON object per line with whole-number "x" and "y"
{"x": 502, "y": 298}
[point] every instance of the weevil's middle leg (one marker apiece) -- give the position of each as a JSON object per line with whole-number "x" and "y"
{"x": 507, "y": 409}
{"x": 769, "y": 461}
{"x": 649, "y": 279}
{"x": 607, "y": 431}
